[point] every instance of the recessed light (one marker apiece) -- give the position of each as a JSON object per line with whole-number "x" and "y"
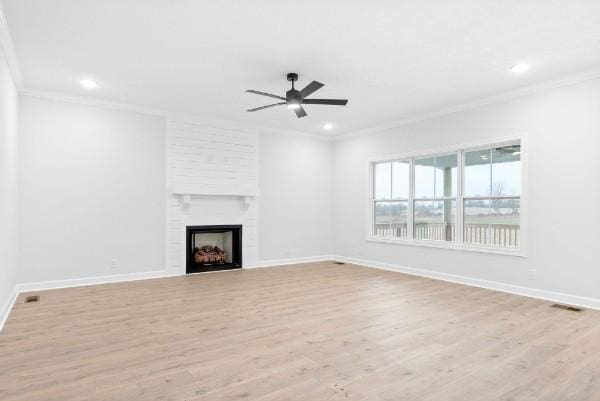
{"x": 328, "y": 126}
{"x": 520, "y": 68}
{"x": 88, "y": 83}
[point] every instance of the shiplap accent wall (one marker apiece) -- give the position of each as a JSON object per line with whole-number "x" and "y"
{"x": 217, "y": 158}
{"x": 212, "y": 156}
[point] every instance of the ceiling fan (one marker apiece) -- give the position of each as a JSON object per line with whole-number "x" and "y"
{"x": 294, "y": 99}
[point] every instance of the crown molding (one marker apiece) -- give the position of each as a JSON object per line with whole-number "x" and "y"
{"x": 9, "y": 52}
{"x": 90, "y": 101}
{"x": 502, "y": 97}
{"x": 171, "y": 116}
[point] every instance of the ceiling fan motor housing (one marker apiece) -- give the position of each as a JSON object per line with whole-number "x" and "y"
{"x": 293, "y": 97}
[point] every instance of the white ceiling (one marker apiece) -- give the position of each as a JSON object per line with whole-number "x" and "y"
{"x": 392, "y": 59}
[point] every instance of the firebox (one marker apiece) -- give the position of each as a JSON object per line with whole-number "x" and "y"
{"x": 212, "y": 248}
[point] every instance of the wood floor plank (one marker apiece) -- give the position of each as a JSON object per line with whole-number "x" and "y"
{"x": 317, "y": 331}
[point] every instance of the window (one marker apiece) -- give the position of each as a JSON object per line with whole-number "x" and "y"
{"x": 492, "y": 196}
{"x": 435, "y": 198}
{"x": 391, "y": 199}
{"x": 467, "y": 198}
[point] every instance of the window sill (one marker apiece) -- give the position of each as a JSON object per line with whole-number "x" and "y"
{"x": 454, "y": 246}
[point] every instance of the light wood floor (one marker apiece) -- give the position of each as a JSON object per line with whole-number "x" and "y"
{"x": 312, "y": 332}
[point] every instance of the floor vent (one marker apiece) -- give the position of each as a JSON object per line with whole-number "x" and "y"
{"x": 567, "y": 307}
{"x": 32, "y": 298}
{"x": 338, "y": 263}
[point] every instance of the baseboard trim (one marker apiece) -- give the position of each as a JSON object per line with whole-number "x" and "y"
{"x": 558, "y": 297}
{"x": 289, "y": 261}
{"x": 8, "y": 307}
{"x": 78, "y": 282}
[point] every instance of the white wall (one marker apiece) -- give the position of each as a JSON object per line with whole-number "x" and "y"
{"x": 295, "y": 196}
{"x": 92, "y": 190}
{"x": 563, "y": 128}
{"x": 8, "y": 184}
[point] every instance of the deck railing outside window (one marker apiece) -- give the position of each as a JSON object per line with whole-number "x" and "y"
{"x": 495, "y": 235}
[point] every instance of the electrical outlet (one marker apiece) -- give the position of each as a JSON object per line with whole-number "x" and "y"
{"x": 532, "y": 274}
{"x": 114, "y": 264}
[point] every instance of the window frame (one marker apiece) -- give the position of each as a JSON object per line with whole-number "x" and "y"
{"x": 458, "y": 243}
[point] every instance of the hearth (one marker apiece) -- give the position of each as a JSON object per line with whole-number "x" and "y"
{"x": 212, "y": 248}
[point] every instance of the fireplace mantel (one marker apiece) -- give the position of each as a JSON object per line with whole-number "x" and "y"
{"x": 185, "y": 192}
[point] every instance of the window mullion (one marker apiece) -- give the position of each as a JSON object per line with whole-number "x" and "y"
{"x": 373, "y": 195}
{"x": 459, "y": 197}
{"x": 489, "y": 225}
{"x": 373, "y": 218}
{"x": 491, "y": 157}
{"x": 434, "y": 178}
{"x": 411, "y": 197}
{"x": 391, "y": 196}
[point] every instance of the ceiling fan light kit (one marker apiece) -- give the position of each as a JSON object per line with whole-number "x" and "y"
{"x": 294, "y": 99}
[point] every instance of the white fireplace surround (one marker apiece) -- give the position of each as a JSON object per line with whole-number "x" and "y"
{"x": 212, "y": 179}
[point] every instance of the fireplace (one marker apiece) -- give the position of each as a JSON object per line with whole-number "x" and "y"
{"x": 212, "y": 248}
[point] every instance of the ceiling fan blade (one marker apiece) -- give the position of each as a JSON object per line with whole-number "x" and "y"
{"x": 267, "y": 106}
{"x": 333, "y": 102}
{"x": 311, "y": 88}
{"x": 265, "y": 94}
{"x": 300, "y": 112}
